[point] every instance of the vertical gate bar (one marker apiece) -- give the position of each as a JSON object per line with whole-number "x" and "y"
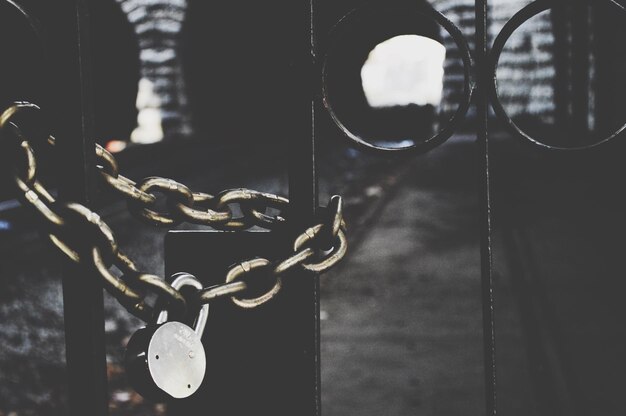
{"x": 562, "y": 78}
{"x": 482, "y": 104}
{"x": 580, "y": 71}
{"x": 607, "y": 78}
{"x": 82, "y": 294}
{"x": 303, "y": 201}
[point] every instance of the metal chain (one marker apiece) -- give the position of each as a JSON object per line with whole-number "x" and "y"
{"x": 86, "y": 239}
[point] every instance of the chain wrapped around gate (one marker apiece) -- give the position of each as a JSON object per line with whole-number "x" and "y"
{"x": 86, "y": 239}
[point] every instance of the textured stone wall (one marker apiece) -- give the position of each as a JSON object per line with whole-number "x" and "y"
{"x": 526, "y": 67}
{"x": 525, "y": 74}
{"x": 161, "y": 100}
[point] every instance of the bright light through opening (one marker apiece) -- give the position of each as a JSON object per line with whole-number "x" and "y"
{"x": 403, "y": 70}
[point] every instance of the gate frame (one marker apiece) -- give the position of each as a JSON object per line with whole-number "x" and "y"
{"x": 83, "y": 297}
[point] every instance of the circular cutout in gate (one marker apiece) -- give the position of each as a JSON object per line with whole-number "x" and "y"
{"x": 397, "y": 78}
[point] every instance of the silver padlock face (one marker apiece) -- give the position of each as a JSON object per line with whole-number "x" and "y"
{"x": 176, "y": 359}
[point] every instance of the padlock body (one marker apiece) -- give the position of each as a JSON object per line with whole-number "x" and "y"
{"x": 176, "y": 359}
{"x": 165, "y": 361}
{"x": 136, "y": 365}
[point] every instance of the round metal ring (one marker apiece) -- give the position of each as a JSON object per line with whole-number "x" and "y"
{"x": 247, "y": 198}
{"x": 81, "y": 222}
{"x": 258, "y": 213}
{"x": 228, "y": 196}
{"x": 262, "y": 219}
{"x": 16, "y": 107}
{"x": 332, "y": 223}
{"x": 127, "y": 188}
{"x": 37, "y": 197}
{"x": 162, "y": 289}
{"x": 64, "y": 248}
{"x": 120, "y": 290}
{"x": 137, "y": 281}
{"x": 169, "y": 187}
{"x": 27, "y": 173}
{"x": 453, "y": 123}
{"x": 511, "y": 26}
{"x": 248, "y": 266}
{"x": 205, "y": 215}
{"x": 34, "y": 24}
{"x": 208, "y": 294}
{"x": 337, "y": 253}
{"x": 109, "y": 164}
{"x": 293, "y": 261}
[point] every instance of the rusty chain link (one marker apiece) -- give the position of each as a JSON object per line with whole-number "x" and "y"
{"x": 86, "y": 239}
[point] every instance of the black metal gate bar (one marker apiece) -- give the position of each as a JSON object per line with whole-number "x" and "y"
{"x": 482, "y": 111}
{"x": 304, "y": 295}
{"x": 562, "y": 80}
{"x": 571, "y": 28}
{"x": 82, "y": 295}
{"x": 580, "y": 72}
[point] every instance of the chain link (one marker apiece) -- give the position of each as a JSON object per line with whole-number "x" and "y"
{"x": 86, "y": 239}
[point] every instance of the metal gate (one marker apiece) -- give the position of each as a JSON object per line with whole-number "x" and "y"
{"x": 62, "y": 31}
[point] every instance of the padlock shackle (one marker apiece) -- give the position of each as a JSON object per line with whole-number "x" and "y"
{"x": 185, "y": 279}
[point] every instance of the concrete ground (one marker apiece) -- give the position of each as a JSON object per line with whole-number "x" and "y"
{"x": 401, "y": 329}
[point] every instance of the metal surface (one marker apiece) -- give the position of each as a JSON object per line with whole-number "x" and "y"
{"x": 82, "y": 298}
{"x": 332, "y": 257}
{"x": 482, "y": 140}
{"x": 303, "y": 303}
{"x": 176, "y": 360}
{"x": 251, "y": 351}
{"x": 477, "y": 84}
{"x": 486, "y": 91}
{"x": 581, "y": 62}
{"x": 85, "y": 239}
{"x": 345, "y": 25}
{"x": 181, "y": 280}
{"x": 166, "y": 359}
{"x": 580, "y": 84}
{"x": 251, "y": 266}
{"x": 176, "y": 357}
{"x": 247, "y": 347}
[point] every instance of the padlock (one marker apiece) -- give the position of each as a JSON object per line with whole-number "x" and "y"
{"x": 166, "y": 360}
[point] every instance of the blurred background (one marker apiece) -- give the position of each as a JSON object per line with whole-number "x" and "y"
{"x": 196, "y": 91}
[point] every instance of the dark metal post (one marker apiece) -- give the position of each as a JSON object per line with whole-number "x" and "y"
{"x": 482, "y": 106}
{"x": 264, "y": 360}
{"x": 82, "y": 294}
{"x": 562, "y": 78}
{"x": 572, "y": 46}
{"x": 581, "y": 47}
{"x": 304, "y": 292}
